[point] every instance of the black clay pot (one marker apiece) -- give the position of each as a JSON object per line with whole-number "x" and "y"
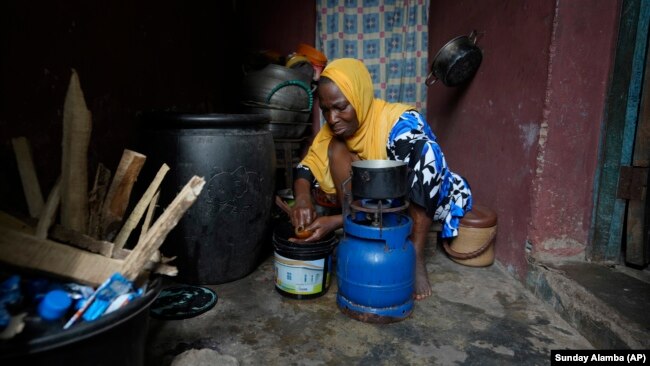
{"x": 379, "y": 179}
{"x": 456, "y": 62}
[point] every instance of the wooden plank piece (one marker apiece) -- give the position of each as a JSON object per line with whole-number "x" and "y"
{"x": 608, "y": 211}
{"x": 11, "y": 222}
{"x": 165, "y": 223}
{"x": 147, "y": 219}
{"x": 27, "y": 251}
{"x": 96, "y": 199}
{"x": 77, "y": 127}
{"x": 637, "y": 234}
{"x": 48, "y": 215}
{"x": 80, "y": 240}
{"x": 636, "y": 251}
{"x": 140, "y": 208}
{"x": 117, "y": 198}
{"x": 156, "y": 256}
{"x": 61, "y": 234}
{"x": 28, "y": 177}
{"x": 159, "y": 266}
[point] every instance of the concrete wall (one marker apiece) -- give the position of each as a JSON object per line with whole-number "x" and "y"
{"x": 525, "y": 130}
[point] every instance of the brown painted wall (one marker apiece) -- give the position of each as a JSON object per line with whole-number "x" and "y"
{"x": 279, "y": 25}
{"x": 525, "y": 130}
{"x": 583, "y": 45}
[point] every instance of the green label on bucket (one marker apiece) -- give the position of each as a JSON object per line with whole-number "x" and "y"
{"x": 300, "y": 277}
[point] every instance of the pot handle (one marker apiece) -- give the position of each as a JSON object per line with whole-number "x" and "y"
{"x": 298, "y": 83}
{"x": 431, "y": 79}
{"x": 474, "y": 36}
{"x": 454, "y": 254}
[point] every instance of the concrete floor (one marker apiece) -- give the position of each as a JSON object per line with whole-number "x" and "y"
{"x": 607, "y": 304}
{"x": 476, "y": 316}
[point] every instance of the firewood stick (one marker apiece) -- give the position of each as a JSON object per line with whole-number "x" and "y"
{"x": 48, "y": 215}
{"x": 159, "y": 266}
{"x": 147, "y": 219}
{"x": 140, "y": 208}
{"x": 77, "y": 125}
{"x": 163, "y": 269}
{"x": 124, "y": 253}
{"x": 27, "y": 172}
{"x": 156, "y": 256}
{"x": 117, "y": 198}
{"x": 80, "y": 240}
{"x": 96, "y": 199}
{"x": 165, "y": 223}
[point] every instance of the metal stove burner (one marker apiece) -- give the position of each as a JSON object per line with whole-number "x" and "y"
{"x": 375, "y": 209}
{"x": 372, "y": 203}
{"x": 378, "y": 206}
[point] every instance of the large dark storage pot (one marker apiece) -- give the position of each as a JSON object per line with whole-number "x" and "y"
{"x": 118, "y": 338}
{"x": 223, "y": 236}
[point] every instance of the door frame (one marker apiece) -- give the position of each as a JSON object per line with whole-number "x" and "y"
{"x": 618, "y": 130}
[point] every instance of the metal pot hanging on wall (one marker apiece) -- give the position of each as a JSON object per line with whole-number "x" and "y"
{"x": 456, "y": 62}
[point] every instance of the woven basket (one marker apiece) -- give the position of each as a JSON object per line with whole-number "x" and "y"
{"x": 474, "y": 245}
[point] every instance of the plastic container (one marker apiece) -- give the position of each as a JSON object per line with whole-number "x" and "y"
{"x": 474, "y": 245}
{"x": 302, "y": 270}
{"x": 118, "y": 338}
{"x": 222, "y": 237}
{"x": 54, "y": 305}
{"x": 317, "y": 58}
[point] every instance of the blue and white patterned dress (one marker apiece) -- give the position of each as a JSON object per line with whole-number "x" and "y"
{"x": 445, "y": 195}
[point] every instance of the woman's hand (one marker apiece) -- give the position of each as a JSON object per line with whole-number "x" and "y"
{"x": 303, "y": 213}
{"x": 320, "y": 227}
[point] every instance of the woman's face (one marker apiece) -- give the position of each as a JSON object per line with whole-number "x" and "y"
{"x": 338, "y": 112}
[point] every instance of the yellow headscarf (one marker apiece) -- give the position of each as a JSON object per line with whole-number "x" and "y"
{"x": 376, "y": 118}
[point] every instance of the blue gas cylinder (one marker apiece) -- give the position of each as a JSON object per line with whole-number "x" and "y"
{"x": 376, "y": 269}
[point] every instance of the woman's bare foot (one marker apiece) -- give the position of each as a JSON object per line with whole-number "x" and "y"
{"x": 421, "y": 225}
{"x": 422, "y": 286}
